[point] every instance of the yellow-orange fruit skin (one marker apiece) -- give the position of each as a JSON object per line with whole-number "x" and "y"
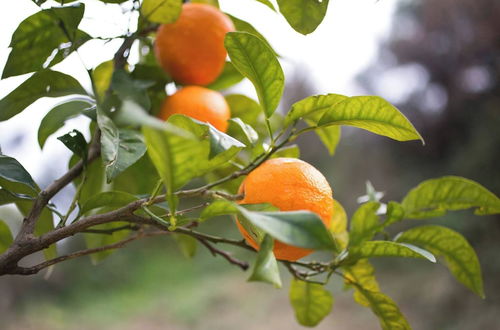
{"x": 192, "y": 49}
{"x": 200, "y": 103}
{"x": 290, "y": 185}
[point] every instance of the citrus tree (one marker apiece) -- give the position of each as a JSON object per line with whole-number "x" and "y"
{"x": 151, "y": 155}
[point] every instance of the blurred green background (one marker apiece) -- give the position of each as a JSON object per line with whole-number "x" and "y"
{"x": 441, "y": 66}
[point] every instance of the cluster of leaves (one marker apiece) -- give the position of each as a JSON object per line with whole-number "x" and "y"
{"x": 145, "y": 163}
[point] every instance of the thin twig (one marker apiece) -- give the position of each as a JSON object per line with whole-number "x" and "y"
{"x": 242, "y": 264}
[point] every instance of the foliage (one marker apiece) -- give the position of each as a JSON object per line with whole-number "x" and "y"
{"x": 130, "y": 177}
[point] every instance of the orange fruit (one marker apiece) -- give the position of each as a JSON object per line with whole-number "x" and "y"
{"x": 200, "y": 103}
{"x": 290, "y": 185}
{"x": 192, "y": 49}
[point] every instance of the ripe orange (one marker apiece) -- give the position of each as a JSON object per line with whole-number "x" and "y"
{"x": 192, "y": 49}
{"x": 200, "y": 103}
{"x": 290, "y": 185}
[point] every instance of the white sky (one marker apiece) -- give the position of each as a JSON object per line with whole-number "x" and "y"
{"x": 343, "y": 45}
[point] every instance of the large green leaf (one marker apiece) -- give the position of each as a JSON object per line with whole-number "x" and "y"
{"x": 45, "y": 83}
{"x": 373, "y": 114}
{"x": 256, "y": 61}
{"x": 304, "y": 16}
{"x": 129, "y": 89}
{"x": 44, "y": 39}
{"x": 266, "y": 266}
{"x": 229, "y": 77}
{"x": 459, "y": 255}
{"x": 432, "y": 198}
{"x": 243, "y": 132}
{"x": 161, "y": 11}
{"x": 298, "y": 228}
{"x": 310, "y": 301}
{"x": 373, "y": 249}
{"x": 11, "y": 170}
{"x": 56, "y": 117}
{"x": 5, "y": 237}
{"x": 364, "y": 223}
{"x": 367, "y": 293}
{"x": 133, "y": 180}
{"x": 308, "y": 107}
{"x": 7, "y": 197}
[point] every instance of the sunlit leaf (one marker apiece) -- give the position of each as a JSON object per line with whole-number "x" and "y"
{"x": 304, "y": 16}
{"x": 459, "y": 255}
{"x": 310, "y": 301}
{"x": 101, "y": 77}
{"x": 256, "y": 61}
{"x": 45, "y": 83}
{"x": 364, "y": 223}
{"x": 214, "y": 3}
{"x": 373, "y": 249}
{"x": 161, "y": 11}
{"x": 432, "y": 198}
{"x": 363, "y": 273}
{"x": 268, "y": 4}
{"x": 245, "y": 108}
{"x": 292, "y": 151}
{"x": 371, "y": 113}
{"x": 338, "y": 225}
{"x": 244, "y": 26}
{"x": 266, "y": 267}
{"x": 242, "y": 131}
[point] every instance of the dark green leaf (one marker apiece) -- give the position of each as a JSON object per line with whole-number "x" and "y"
{"x": 11, "y": 170}
{"x": 44, "y": 39}
{"x": 304, "y": 16}
{"x": 56, "y": 117}
{"x": 364, "y": 223}
{"x": 432, "y": 198}
{"x": 459, "y": 255}
{"x": 298, "y": 228}
{"x": 45, "y": 83}
{"x": 373, "y": 114}
{"x": 109, "y": 199}
{"x": 310, "y": 301}
{"x": 267, "y": 3}
{"x": 266, "y": 266}
{"x": 129, "y": 89}
{"x": 161, "y": 11}
{"x": 75, "y": 142}
{"x": 229, "y": 77}
{"x": 7, "y": 197}
{"x": 373, "y": 249}
{"x": 130, "y": 149}
{"x": 5, "y": 237}
{"x": 256, "y": 61}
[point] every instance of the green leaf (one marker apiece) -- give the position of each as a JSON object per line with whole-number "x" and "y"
{"x": 75, "y": 142}
{"x": 44, "y": 39}
{"x": 161, "y": 11}
{"x": 297, "y": 228}
{"x": 373, "y": 249}
{"x": 363, "y": 273}
{"x": 395, "y": 213}
{"x": 244, "y": 26}
{"x": 56, "y": 117}
{"x": 94, "y": 180}
{"x": 7, "y": 197}
{"x": 266, "y": 266}
{"x": 133, "y": 180}
{"x": 292, "y": 151}
{"x": 11, "y": 170}
{"x": 311, "y": 109}
{"x": 256, "y": 61}
{"x": 459, "y": 255}
{"x": 304, "y": 16}
{"x": 373, "y": 114}
{"x": 338, "y": 225}
{"x": 310, "y": 301}
{"x": 187, "y": 244}
{"x": 432, "y": 198}
{"x": 242, "y": 131}
{"x": 45, "y": 83}
{"x": 364, "y": 223}
{"x": 129, "y": 89}
{"x": 268, "y": 4}
{"x": 229, "y": 77}
{"x": 101, "y": 77}
{"x": 6, "y": 238}
{"x": 218, "y": 208}
{"x": 132, "y": 114}
{"x": 244, "y": 108}
{"x": 98, "y": 240}
{"x": 109, "y": 199}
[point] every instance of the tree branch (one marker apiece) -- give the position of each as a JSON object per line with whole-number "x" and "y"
{"x": 242, "y": 264}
